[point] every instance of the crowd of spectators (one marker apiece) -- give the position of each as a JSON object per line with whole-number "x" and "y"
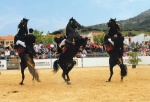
{"x": 91, "y": 50}
{"x": 143, "y": 49}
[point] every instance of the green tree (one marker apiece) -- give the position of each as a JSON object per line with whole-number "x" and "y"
{"x": 98, "y": 39}
{"x": 48, "y": 38}
{"x": 38, "y": 35}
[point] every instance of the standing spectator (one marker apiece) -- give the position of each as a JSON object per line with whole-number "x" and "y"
{"x": 7, "y": 54}
{"x": 83, "y": 55}
{"x": 84, "y": 51}
{"x": 36, "y": 48}
{"x": 47, "y": 47}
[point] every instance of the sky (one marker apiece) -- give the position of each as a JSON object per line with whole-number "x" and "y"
{"x": 52, "y": 15}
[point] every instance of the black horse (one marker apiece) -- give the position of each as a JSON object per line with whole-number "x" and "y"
{"x": 65, "y": 60}
{"x": 26, "y": 60}
{"x": 113, "y": 42}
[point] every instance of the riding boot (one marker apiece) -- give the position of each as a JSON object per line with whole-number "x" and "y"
{"x": 30, "y": 51}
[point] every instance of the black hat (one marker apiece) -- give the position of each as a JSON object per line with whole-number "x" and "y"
{"x": 31, "y": 30}
{"x": 56, "y": 32}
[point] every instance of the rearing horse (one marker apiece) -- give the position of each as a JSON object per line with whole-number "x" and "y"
{"x": 65, "y": 60}
{"x": 113, "y": 42}
{"x": 26, "y": 60}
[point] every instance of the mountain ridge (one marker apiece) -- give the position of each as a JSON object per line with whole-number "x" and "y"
{"x": 140, "y": 22}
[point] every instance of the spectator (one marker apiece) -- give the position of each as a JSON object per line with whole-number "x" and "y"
{"x": 7, "y": 54}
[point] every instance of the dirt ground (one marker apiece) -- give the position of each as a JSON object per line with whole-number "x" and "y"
{"x": 88, "y": 84}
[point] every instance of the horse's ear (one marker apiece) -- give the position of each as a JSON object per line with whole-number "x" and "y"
{"x": 115, "y": 19}
{"x": 71, "y": 18}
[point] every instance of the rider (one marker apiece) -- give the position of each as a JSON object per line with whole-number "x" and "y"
{"x": 29, "y": 42}
{"x": 59, "y": 39}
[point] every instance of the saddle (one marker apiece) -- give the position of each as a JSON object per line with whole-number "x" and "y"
{"x": 20, "y": 49}
{"x": 109, "y": 47}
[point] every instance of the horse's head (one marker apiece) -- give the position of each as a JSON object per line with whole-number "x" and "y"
{"x": 22, "y": 26}
{"x": 114, "y": 27}
{"x": 113, "y": 24}
{"x": 23, "y": 23}
{"x": 75, "y": 24}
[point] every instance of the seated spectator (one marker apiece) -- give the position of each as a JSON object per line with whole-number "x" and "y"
{"x": 12, "y": 53}
{"x": 78, "y": 55}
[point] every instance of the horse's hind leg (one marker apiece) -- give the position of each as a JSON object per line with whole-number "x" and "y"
{"x": 63, "y": 76}
{"x": 69, "y": 69}
{"x": 23, "y": 76}
{"x": 23, "y": 66}
{"x": 123, "y": 71}
{"x": 111, "y": 73}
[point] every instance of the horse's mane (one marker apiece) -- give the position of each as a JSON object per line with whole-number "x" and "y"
{"x": 72, "y": 26}
{"x": 22, "y": 26}
{"x": 69, "y": 28}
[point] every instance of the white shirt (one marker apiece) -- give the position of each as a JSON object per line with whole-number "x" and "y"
{"x": 7, "y": 53}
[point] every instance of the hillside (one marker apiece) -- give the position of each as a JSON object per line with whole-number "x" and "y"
{"x": 140, "y": 22}
{"x": 132, "y": 26}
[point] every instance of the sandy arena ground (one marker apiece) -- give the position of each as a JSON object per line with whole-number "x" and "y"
{"x": 87, "y": 85}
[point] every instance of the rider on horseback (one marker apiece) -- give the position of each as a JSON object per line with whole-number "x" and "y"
{"x": 115, "y": 38}
{"x": 113, "y": 42}
{"x": 24, "y": 46}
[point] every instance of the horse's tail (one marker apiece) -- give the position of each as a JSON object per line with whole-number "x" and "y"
{"x": 123, "y": 70}
{"x": 55, "y": 66}
{"x": 31, "y": 67}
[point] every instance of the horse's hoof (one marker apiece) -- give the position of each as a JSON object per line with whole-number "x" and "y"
{"x": 108, "y": 81}
{"x": 67, "y": 79}
{"x": 38, "y": 80}
{"x": 68, "y": 83}
{"x": 21, "y": 83}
